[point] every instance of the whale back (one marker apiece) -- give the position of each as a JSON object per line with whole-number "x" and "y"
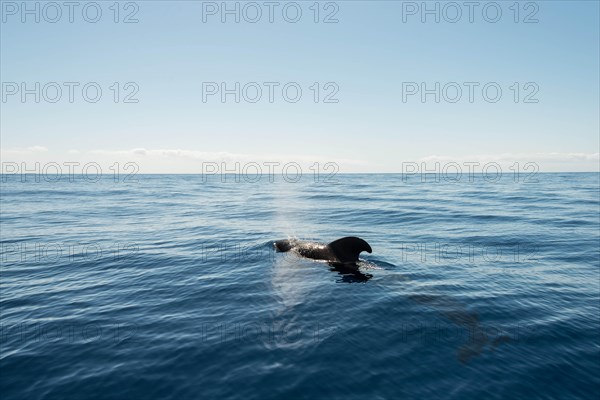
{"x": 348, "y": 249}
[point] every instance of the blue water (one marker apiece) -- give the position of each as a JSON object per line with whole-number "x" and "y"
{"x": 169, "y": 288}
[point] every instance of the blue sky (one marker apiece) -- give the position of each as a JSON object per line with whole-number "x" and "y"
{"x": 371, "y": 54}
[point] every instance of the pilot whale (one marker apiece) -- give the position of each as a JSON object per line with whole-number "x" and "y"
{"x": 342, "y": 251}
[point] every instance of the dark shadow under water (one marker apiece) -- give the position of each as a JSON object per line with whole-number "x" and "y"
{"x": 350, "y": 273}
{"x": 478, "y": 337}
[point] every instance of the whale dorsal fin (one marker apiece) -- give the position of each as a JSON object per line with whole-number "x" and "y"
{"x": 347, "y": 249}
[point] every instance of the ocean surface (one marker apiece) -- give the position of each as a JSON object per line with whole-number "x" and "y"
{"x": 169, "y": 288}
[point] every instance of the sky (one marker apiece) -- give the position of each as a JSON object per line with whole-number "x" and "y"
{"x": 370, "y": 86}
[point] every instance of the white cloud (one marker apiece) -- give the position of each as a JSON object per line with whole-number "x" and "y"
{"x": 26, "y": 150}
{"x": 193, "y": 161}
{"x": 516, "y": 157}
{"x": 542, "y": 162}
{"x": 203, "y": 156}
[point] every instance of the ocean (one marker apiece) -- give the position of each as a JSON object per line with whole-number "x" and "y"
{"x": 168, "y": 287}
